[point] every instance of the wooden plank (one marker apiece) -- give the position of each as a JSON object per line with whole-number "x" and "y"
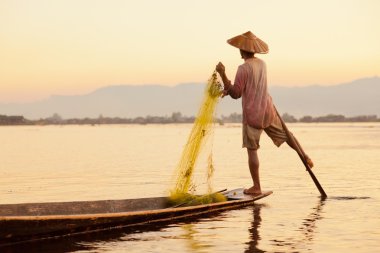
{"x": 238, "y": 194}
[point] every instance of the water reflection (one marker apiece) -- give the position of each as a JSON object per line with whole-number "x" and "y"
{"x": 61, "y": 245}
{"x": 86, "y": 242}
{"x": 193, "y": 244}
{"x": 307, "y": 228}
{"x": 254, "y": 231}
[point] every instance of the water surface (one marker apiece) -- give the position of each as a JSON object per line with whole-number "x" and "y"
{"x": 68, "y": 163}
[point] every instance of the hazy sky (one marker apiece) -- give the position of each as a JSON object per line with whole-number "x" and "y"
{"x": 75, "y": 46}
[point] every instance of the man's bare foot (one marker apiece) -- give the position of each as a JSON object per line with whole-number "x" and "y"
{"x": 309, "y": 161}
{"x": 252, "y": 191}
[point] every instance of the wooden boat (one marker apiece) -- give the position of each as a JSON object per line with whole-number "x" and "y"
{"x": 39, "y": 221}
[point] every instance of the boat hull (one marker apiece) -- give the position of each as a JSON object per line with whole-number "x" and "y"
{"x": 31, "y": 222}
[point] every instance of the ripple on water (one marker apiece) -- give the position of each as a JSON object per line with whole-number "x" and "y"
{"x": 348, "y": 198}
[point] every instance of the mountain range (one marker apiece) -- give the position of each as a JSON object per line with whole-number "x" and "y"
{"x": 359, "y": 97}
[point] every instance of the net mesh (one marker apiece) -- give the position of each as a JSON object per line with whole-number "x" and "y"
{"x": 201, "y": 132}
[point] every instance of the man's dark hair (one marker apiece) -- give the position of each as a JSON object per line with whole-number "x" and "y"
{"x": 246, "y": 53}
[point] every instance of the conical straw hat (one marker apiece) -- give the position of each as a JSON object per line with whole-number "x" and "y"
{"x": 249, "y": 42}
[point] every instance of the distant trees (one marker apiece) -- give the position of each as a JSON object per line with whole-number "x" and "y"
{"x": 55, "y": 119}
{"x": 232, "y": 118}
{"x": 13, "y": 120}
{"x": 289, "y": 118}
{"x": 306, "y": 119}
{"x": 175, "y": 117}
{"x": 339, "y": 118}
{"x": 236, "y": 118}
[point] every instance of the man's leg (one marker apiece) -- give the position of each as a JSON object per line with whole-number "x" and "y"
{"x": 276, "y": 132}
{"x": 253, "y": 162}
{"x": 297, "y": 146}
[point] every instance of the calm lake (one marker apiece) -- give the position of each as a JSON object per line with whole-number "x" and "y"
{"x": 68, "y": 163}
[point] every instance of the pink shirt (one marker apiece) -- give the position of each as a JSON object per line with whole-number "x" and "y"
{"x": 251, "y": 84}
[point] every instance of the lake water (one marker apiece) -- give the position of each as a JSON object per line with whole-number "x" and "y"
{"x": 68, "y": 163}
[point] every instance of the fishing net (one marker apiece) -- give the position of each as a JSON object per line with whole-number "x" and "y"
{"x": 201, "y": 132}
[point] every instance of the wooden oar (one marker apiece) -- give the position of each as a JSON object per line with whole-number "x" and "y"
{"x": 302, "y": 155}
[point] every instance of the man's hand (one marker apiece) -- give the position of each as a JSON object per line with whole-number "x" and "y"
{"x": 224, "y": 93}
{"x": 222, "y": 72}
{"x": 220, "y": 68}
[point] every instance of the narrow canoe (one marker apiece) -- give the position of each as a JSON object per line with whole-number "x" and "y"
{"x": 38, "y": 221}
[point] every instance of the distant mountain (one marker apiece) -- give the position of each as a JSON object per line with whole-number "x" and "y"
{"x": 360, "y": 97}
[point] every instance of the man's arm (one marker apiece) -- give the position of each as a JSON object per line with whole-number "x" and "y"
{"x": 233, "y": 90}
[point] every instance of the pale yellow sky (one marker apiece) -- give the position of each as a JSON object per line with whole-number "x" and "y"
{"x": 75, "y": 46}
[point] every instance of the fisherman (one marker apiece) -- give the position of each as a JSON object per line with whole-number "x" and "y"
{"x": 259, "y": 113}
